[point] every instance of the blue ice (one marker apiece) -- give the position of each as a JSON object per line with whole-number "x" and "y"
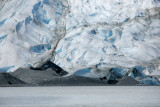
{"x": 19, "y": 25}
{"x": 2, "y": 38}
{"x": 104, "y": 49}
{"x": 93, "y": 32}
{"x": 120, "y": 71}
{"x": 40, "y": 48}
{"x": 59, "y": 51}
{"x": 45, "y": 2}
{"x": 112, "y": 40}
{"x": 58, "y": 13}
{"x": 150, "y": 81}
{"x": 69, "y": 59}
{"x": 2, "y": 22}
{"x": 94, "y": 14}
{"x": 137, "y": 36}
{"x": 126, "y": 20}
{"x": 110, "y": 33}
{"x": 140, "y": 70}
{"x": 120, "y": 34}
{"x": 5, "y": 69}
{"x": 40, "y": 15}
{"x": 82, "y": 72}
{"x": 28, "y": 20}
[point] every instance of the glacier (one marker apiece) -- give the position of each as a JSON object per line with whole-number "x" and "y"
{"x": 85, "y": 37}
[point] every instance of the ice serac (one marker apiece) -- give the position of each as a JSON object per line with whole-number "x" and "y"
{"x": 30, "y": 31}
{"x": 104, "y": 34}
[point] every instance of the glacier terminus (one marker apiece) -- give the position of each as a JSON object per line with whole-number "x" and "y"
{"x": 84, "y": 37}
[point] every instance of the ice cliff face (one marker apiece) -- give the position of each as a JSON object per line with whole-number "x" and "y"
{"x": 81, "y": 35}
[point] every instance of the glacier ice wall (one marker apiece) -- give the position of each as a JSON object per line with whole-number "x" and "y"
{"x": 87, "y": 34}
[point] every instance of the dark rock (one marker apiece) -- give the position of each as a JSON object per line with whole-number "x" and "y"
{"x": 50, "y": 78}
{"x": 8, "y": 80}
{"x": 113, "y": 82}
{"x": 54, "y": 67}
{"x": 128, "y": 81}
{"x": 75, "y": 81}
{"x": 34, "y": 76}
{"x": 103, "y": 78}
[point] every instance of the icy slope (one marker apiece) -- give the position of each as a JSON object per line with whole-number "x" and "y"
{"x": 94, "y": 35}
